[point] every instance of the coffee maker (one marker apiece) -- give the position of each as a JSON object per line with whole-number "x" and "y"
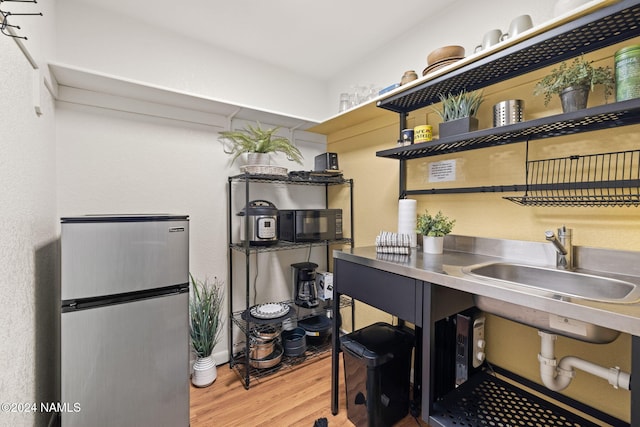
{"x": 304, "y": 282}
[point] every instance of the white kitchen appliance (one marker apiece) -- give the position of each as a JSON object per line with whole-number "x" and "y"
{"x": 125, "y": 320}
{"x": 259, "y": 223}
{"x": 324, "y": 284}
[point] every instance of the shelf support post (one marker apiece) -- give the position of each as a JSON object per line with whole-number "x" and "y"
{"x": 402, "y": 178}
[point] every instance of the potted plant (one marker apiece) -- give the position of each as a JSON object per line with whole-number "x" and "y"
{"x": 205, "y": 312}
{"x": 458, "y": 112}
{"x": 572, "y": 82}
{"x": 433, "y": 230}
{"x": 255, "y": 140}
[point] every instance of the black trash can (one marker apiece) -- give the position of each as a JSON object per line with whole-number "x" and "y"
{"x": 377, "y": 368}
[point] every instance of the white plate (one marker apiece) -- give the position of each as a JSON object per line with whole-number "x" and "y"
{"x": 269, "y": 310}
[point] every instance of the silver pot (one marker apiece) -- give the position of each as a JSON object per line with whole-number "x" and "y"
{"x": 266, "y": 333}
{"x": 262, "y": 225}
{"x": 260, "y": 349}
{"x": 262, "y": 341}
{"x": 269, "y": 361}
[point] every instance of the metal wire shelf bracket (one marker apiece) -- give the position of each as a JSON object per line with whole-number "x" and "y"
{"x": 240, "y": 350}
{"x": 286, "y": 245}
{"x": 248, "y": 373}
{"x": 8, "y": 29}
{"x": 278, "y": 179}
{"x": 607, "y": 179}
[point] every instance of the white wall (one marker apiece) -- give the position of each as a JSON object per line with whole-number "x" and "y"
{"x": 116, "y": 162}
{"x": 98, "y": 40}
{"x": 135, "y": 50}
{"x": 28, "y": 241}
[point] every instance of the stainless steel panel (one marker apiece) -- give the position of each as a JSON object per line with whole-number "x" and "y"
{"x": 105, "y": 258}
{"x": 562, "y": 282}
{"x": 127, "y": 364}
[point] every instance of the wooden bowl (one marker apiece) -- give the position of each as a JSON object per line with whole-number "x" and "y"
{"x": 441, "y": 64}
{"x": 445, "y": 52}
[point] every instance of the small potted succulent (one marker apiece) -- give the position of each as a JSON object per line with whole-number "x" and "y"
{"x": 255, "y": 140}
{"x": 433, "y": 229}
{"x": 458, "y": 113}
{"x": 573, "y": 82}
{"x": 205, "y": 321}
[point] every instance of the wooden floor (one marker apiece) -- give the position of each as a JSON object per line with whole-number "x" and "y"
{"x": 290, "y": 398}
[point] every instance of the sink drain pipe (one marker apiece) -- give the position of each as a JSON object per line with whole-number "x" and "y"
{"x": 556, "y": 375}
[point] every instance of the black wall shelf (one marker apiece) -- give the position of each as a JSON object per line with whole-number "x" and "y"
{"x": 602, "y": 28}
{"x": 610, "y": 25}
{"x": 591, "y": 119}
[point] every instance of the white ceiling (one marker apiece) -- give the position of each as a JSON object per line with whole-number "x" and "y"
{"x": 313, "y": 38}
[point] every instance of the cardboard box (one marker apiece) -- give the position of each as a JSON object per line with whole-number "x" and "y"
{"x": 324, "y": 284}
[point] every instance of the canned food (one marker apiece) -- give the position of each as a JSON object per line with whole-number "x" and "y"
{"x": 422, "y": 133}
{"x": 627, "y": 64}
{"x": 407, "y": 137}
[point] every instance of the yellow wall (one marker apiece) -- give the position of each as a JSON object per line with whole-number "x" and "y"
{"x": 510, "y": 345}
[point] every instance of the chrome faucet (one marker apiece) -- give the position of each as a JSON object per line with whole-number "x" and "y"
{"x": 564, "y": 249}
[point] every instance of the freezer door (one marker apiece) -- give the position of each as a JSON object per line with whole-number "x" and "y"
{"x": 127, "y": 364}
{"x": 106, "y": 258}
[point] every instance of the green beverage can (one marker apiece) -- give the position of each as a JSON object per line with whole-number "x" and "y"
{"x": 627, "y": 64}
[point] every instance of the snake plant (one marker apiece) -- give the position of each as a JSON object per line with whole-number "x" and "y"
{"x": 257, "y": 140}
{"x": 464, "y": 104}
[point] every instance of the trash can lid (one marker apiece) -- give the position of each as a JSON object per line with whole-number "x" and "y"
{"x": 377, "y": 343}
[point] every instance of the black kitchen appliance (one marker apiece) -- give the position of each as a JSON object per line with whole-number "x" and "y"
{"x": 310, "y": 225}
{"x": 326, "y": 162}
{"x": 304, "y": 284}
{"x": 459, "y": 350}
{"x": 262, "y": 225}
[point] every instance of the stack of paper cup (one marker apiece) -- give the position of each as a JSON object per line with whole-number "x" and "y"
{"x": 407, "y": 218}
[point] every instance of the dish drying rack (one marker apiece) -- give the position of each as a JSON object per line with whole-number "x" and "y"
{"x": 607, "y": 179}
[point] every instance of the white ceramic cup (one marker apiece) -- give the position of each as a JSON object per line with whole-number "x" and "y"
{"x": 518, "y": 25}
{"x": 489, "y": 39}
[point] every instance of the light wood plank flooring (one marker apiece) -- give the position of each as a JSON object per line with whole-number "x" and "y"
{"x": 291, "y": 398}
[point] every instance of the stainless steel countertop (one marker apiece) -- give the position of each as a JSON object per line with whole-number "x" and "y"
{"x": 463, "y": 251}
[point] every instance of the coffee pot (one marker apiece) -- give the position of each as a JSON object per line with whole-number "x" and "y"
{"x": 304, "y": 281}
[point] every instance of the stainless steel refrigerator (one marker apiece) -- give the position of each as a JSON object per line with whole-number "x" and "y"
{"x": 125, "y": 321}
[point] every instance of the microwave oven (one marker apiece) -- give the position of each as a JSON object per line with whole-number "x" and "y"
{"x": 309, "y": 225}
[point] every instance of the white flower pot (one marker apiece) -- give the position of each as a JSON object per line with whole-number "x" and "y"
{"x": 205, "y": 372}
{"x": 432, "y": 245}
{"x": 262, "y": 159}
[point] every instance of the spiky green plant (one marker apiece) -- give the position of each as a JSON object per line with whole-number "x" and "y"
{"x": 257, "y": 140}
{"x": 579, "y": 73}
{"x": 434, "y": 226}
{"x": 205, "y": 309}
{"x": 464, "y": 104}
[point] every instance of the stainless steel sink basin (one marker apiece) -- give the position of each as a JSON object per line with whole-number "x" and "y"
{"x": 560, "y": 282}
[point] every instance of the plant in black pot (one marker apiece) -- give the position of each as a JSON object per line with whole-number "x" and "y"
{"x": 573, "y": 82}
{"x": 205, "y": 313}
{"x": 458, "y": 113}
